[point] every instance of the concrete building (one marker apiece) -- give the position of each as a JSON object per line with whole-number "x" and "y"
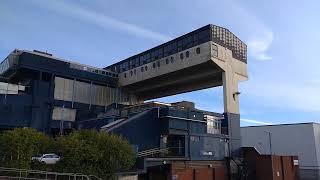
{"x": 54, "y": 95}
{"x": 302, "y": 140}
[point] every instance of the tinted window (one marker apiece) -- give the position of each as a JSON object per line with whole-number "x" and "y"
{"x": 158, "y": 63}
{"x": 187, "y": 54}
{"x": 142, "y": 69}
{"x": 214, "y": 50}
{"x": 167, "y": 61}
{"x": 198, "y": 50}
{"x": 171, "y": 59}
{"x": 146, "y": 68}
{"x": 131, "y": 73}
{"x": 181, "y": 56}
{"x": 154, "y": 65}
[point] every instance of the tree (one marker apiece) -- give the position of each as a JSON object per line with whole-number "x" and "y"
{"x": 19, "y": 145}
{"x": 92, "y": 152}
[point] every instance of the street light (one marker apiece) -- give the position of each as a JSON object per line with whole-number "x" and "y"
{"x": 270, "y": 145}
{"x": 269, "y": 133}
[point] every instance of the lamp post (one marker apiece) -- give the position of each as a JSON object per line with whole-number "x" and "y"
{"x": 270, "y": 133}
{"x": 270, "y": 144}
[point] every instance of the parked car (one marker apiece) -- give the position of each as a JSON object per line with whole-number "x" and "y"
{"x": 47, "y": 158}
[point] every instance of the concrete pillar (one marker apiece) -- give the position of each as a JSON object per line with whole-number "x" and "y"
{"x": 231, "y": 109}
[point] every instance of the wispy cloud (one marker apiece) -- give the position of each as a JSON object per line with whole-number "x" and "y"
{"x": 260, "y": 35}
{"x": 286, "y": 95}
{"x": 252, "y": 121}
{"x": 259, "y": 45}
{"x": 99, "y": 19}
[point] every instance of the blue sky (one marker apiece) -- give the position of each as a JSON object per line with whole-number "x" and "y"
{"x": 282, "y": 37}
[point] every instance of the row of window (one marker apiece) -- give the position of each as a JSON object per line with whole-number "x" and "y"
{"x": 87, "y": 93}
{"x": 91, "y": 69}
{"x": 167, "y": 49}
{"x": 157, "y": 64}
{"x": 217, "y": 34}
{"x": 227, "y": 39}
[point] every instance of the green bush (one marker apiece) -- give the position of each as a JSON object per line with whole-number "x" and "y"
{"x": 92, "y": 152}
{"x": 85, "y": 151}
{"x": 19, "y": 145}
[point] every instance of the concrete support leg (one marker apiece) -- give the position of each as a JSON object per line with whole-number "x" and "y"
{"x": 231, "y": 109}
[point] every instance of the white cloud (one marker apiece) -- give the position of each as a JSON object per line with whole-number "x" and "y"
{"x": 259, "y": 45}
{"x": 286, "y": 95}
{"x": 260, "y": 35}
{"x": 252, "y": 121}
{"x": 99, "y": 19}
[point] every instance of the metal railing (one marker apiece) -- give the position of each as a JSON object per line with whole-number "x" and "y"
{"x": 152, "y": 152}
{"x": 13, "y": 173}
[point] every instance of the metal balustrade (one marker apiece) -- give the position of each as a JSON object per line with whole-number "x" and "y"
{"x": 13, "y": 173}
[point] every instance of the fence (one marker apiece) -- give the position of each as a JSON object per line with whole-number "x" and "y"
{"x": 12, "y": 173}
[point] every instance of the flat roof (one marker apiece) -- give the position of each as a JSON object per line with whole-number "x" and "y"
{"x": 285, "y": 124}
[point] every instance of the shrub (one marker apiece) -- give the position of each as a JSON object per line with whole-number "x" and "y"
{"x": 19, "y": 145}
{"x": 92, "y": 152}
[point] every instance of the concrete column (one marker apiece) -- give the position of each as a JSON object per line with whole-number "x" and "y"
{"x": 231, "y": 109}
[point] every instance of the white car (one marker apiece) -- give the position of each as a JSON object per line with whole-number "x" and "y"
{"x": 47, "y": 158}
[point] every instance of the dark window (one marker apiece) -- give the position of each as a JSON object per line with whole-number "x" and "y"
{"x": 171, "y": 59}
{"x": 187, "y": 54}
{"x": 181, "y": 56}
{"x": 180, "y": 44}
{"x": 147, "y": 58}
{"x": 146, "y": 68}
{"x": 154, "y": 65}
{"x": 167, "y": 61}
{"x": 198, "y": 50}
{"x": 214, "y": 50}
{"x": 158, "y": 63}
{"x": 134, "y": 71}
{"x": 131, "y": 73}
{"x": 125, "y": 75}
{"x": 142, "y": 69}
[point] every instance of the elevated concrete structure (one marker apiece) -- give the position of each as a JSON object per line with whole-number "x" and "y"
{"x": 218, "y": 60}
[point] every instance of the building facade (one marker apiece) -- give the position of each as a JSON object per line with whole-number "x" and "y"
{"x": 55, "y": 96}
{"x": 300, "y": 140}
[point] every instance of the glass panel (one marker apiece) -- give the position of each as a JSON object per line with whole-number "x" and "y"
{"x": 82, "y": 93}
{"x": 58, "y": 88}
{"x": 65, "y": 114}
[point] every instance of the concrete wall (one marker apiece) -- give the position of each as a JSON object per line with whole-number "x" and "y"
{"x": 301, "y": 140}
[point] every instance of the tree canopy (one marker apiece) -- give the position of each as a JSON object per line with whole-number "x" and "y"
{"x": 92, "y": 152}
{"x": 84, "y": 151}
{"x": 19, "y": 145}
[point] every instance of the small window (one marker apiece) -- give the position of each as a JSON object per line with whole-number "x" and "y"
{"x": 125, "y": 75}
{"x": 142, "y": 69}
{"x": 181, "y": 56}
{"x": 187, "y": 54}
{"x": 214, "y": 50}
{"x": 171, "y": 59}
{"x": 167, "y": 61}
{"x": 198, "y": 50}
{"x": 154, "y": 65}
{"x": 135, "y": 71}
{"x": 158, "y": 63}
{"x": 146, "y": 68}
{"x": 131, "y": 73}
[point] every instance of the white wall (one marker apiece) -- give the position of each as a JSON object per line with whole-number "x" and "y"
{"x": 295, "y": 139}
